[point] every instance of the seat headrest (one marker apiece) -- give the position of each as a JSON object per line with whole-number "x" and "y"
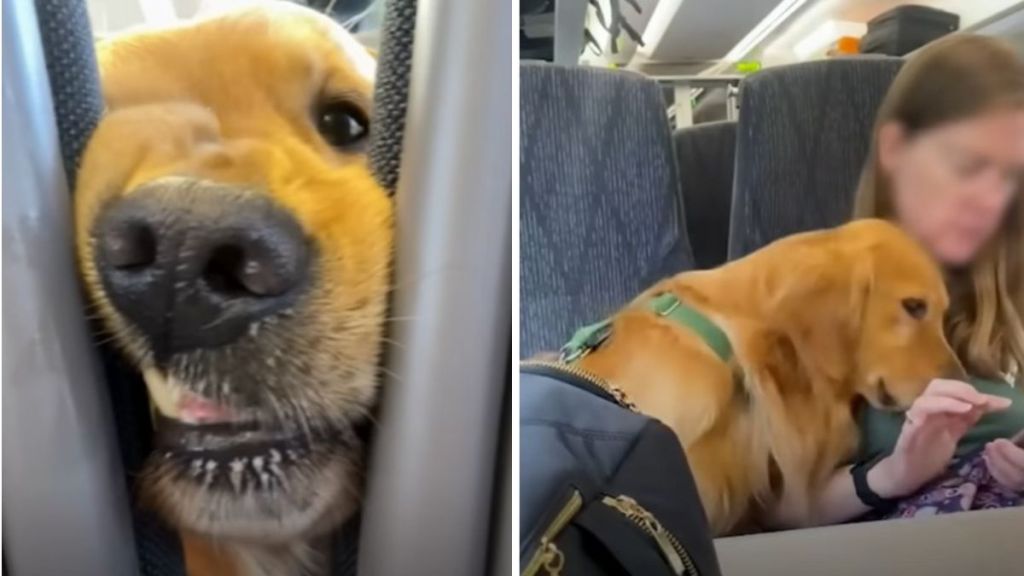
{"x": 803, "y": 135}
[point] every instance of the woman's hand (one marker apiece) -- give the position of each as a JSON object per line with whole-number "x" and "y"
{"x": 933, "y": 427}
{"x": 1005, "y": 461}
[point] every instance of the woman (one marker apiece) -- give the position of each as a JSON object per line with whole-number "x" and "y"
{"x": 947, "y": 164}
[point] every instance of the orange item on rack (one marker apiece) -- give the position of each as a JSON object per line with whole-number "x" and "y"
{"x": 845, "y": 46}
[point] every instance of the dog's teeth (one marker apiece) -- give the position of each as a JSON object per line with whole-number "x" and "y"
{"x": 254, "y": 329}
{"x": 237, "y": 467}
{"x": 196, "y": 467}
{"x": 292, "y": 454}
{"x": 168, "y": 455}
{"x": 257, "y": 463}
{"x": 276, "y": 470}
{"x": 271, "y": 362}
{"x": 211, "y": 467}
{"x": 279, "y": 476}
{"x": 275, "y": 456}
{"x": 264, "y": 481}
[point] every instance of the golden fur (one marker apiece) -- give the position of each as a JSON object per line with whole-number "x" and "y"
{"x": 228, "y": 100}
{"x": 816, "y": 321}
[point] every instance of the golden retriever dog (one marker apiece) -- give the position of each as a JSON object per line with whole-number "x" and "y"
{"x": 237, "y": 249}
{"x": 817, "y": 322}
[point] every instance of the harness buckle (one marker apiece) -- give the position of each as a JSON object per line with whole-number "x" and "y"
{"x": 569, "y": 355}
{"x": 585, "y": 342}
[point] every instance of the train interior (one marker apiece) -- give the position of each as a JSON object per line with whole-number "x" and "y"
{"x": 669, "y": 135}
{"x": 76, "y": 420}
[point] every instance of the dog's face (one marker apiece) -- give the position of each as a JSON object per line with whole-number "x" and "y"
{"x": 902, "y": 346}
{"x": 236, "y": 247}
{"x": 865, "y": 304}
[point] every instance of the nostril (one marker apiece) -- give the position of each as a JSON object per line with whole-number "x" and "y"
{"x": 235, "y": 271}
{"x": 129, "y": 246}
{"x": 224, "y": 270}
{"x": 262, "y": 280}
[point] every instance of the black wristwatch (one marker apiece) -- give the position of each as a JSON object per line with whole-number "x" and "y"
{"x": 869, "y": 497}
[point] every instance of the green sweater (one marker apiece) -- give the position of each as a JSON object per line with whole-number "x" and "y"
{"x": 880, "y": 429}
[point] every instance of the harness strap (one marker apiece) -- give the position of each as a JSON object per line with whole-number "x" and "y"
{"x": 666, "y": 305}
{"x": 585, "y": 340}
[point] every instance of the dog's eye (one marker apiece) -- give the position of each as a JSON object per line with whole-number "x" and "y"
{"x": 916, "y": 307}
{"x": 341, "y": 123}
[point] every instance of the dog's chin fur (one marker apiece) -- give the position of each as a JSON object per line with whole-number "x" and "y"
{"x": 315, "y": 497}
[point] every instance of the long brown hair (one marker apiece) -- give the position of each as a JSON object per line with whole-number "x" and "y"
{"x": 958, "y": 77}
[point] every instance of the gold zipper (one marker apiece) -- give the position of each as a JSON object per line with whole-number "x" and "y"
{"x": 548, "y": 556}
{"x": 617, "y": 394}
{"x": 671, "y": 549}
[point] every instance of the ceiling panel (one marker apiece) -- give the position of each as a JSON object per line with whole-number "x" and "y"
{"x": 692, "y": 30}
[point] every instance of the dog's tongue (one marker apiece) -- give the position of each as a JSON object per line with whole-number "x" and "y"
{"x": 170, "y": 399}
{"x": 195, "y": 409}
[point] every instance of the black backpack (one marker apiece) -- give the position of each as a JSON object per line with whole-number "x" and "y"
{"x": 604, "y": 490}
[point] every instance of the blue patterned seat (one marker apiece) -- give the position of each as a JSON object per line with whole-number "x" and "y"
{"x": 600, "y": 217}
{"x": 801, "y": 142}
{"x": 706, "y": 155}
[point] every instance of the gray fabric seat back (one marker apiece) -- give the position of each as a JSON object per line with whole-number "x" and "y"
{"x": 803, "y": 135}
{"x": 706, "y": 156}
{"x": 599, "y": 198}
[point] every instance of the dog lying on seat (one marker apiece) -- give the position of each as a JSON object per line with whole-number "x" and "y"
{"x": 816, "y": 323}
{"x": 237, "y": 248}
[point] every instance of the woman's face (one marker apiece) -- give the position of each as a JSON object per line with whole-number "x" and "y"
{"x": 952, "y": 184}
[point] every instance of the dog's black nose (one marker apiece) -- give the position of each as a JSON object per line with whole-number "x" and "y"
{"x": 194, "y": 265}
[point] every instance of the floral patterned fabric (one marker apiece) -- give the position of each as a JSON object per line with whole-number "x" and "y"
{"x": 967, "y": 485}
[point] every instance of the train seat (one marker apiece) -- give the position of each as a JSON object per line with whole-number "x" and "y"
{"x": 801, "y": 141}
{"x": 599, "y": 198}
{"x": 706, "y": 156}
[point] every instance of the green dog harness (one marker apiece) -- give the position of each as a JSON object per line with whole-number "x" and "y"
{"x": 666, "y": 305}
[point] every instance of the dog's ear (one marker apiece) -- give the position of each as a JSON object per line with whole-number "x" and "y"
{"x": 818, "y": 302}
{"x": 816, "y": 306}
